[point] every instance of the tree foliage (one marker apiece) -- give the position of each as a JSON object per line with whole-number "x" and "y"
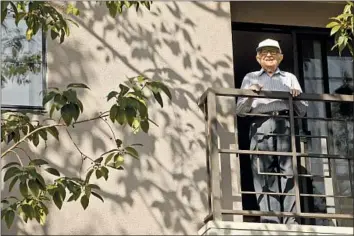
{"x": 129, "y": 108}
{"x": 342, "y": 28}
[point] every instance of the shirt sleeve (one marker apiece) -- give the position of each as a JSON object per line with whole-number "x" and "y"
{"x": 244, "y": 104}
{"x": 300, "y": 106}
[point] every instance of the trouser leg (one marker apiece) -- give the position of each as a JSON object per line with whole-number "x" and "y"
{"x": 264, "y": 163}
{"x": 285, "y": 167}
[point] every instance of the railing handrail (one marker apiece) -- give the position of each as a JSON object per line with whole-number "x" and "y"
{"x": 275, "y": 95}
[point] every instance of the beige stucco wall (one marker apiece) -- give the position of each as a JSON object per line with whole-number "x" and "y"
{"x": 314, "y": 14}
{"x": 165, "y": 192}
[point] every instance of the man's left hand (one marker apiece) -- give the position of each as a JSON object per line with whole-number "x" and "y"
{"x": 294, "y": 92}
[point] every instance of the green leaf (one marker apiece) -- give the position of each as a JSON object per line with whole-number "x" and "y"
{"x": 58, "y": 200}
{"x": 84, "y": 201}
{"x": 41, "y": 182}
{"x": 165, "y": 90}
{"x": 11, "y": 172}
{"x": 145, "y": 125}
{"x": 113, "y": 112}
{"x": 79, "y": 103}
{"x": 43, "y": 134}
{"x": 94, "y": 186}
{"x": 48, "y": 96}
{"x": 88, "y": 175}
{"x": 111, "y": 95}
{"x": 332, "y": 24}
{"x": 53, "y": 34}
{"x": 38, "y": 162}
{"x": 10, "y": 164}
{"x": 9, "y": 218}
{"x": 67, "y": 113}
{"x": 158, "y": 98}
{"x": 131, "y": 151}
{"x": 12, "y": 183}
{"x": 70, "y": 95}
{"x": 24, "y": 189}
{"x": 119, "y": 143}
{"x": 52, "y": 109}
{"x": 130, "y": 114}
{"x": 335, "y": 29}
{"x": 121, "y": 117}
{"x": 77, "y": 85}
{"x": 118, "y": 160}
{"x": 53, "y": 171}
{"x": 98, "y": 196}
{"x": 104, "y": 171}
{"x": 33, "y": 186}
{"x": 98, "y": 174}
{"x": 123, "y": 90}
{"x": 28, "y": 210}
{"x": 29, "y": 33}
{"x": 60, "y": 100}
{"x": 54, "y": 132}
{"x": 76, "y": 111}
{"x": 61, "y": 190}
{"x": 98, "y": 160}
{"x": 35, "y": 139}
{"x": 109, "y": 158}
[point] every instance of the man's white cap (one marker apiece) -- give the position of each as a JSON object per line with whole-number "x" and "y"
{"x": 268, "y": 43}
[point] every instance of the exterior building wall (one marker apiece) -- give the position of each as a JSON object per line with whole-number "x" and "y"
{"x": 166, "y": 191}
{"x": 313, "y": 13}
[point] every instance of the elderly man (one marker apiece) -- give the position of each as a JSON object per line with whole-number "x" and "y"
{"x": 263, "y": 130}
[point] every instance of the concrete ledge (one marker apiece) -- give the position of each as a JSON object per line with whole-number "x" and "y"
{"x": 241, "y": 228}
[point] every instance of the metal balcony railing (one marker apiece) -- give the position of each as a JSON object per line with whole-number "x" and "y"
{"x": 208, "y": 102}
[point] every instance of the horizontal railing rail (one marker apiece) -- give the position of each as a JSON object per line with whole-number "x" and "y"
{"x": 208, "y": 103}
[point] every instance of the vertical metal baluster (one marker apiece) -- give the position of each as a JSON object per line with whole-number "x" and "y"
{"x": 237, "y": 173}
{"x": 205, "y": 109}
{"x": 294, "y": 158}
{"x": 214, "y": 157}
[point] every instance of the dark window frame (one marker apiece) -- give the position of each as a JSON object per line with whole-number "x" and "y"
{"x": 39, "y": 109}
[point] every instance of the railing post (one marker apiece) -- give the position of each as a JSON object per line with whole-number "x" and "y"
{"x": 214, "y": 157}
{"x": 294, "y": 156}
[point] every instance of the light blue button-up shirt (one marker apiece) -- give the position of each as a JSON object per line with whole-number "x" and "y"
{"x": 279, "y": 81}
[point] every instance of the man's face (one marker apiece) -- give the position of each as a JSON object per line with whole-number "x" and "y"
{"x": 269, "y": 57}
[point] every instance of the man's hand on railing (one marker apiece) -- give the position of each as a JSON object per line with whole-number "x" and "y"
{"x": 256, "y": 87}
{"x": 294, "y": 92}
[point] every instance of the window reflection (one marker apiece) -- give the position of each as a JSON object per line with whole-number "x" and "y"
{"x": 21, "y": 67}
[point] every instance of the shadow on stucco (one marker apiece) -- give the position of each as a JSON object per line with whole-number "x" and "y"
{"x": 185, "y": 183}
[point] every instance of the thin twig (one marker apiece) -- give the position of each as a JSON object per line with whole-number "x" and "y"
{"x": 18, "y": 157}
{"x": 91, "y": 119}
{"x": 25, "y": 153}
{"x": 82, "y": 154}
{"x": 114, "y": 136}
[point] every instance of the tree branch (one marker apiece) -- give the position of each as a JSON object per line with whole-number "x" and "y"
{"x": 24, "y": 152}
{"x": 114, "y": 136}
{"x": 18, "y": 157}
{"x": 26, "y": 136}
{"x": 82, "y": 154}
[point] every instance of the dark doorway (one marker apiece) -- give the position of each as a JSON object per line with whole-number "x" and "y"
{"x": 245, "y": 44}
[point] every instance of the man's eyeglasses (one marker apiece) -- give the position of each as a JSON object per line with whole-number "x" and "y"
{"x": 271, "y": 51}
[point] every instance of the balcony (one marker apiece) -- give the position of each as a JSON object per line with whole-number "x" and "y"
{"x": 322, "y": 164}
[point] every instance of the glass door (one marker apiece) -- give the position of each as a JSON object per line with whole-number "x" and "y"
{"x": 323, "y": 71}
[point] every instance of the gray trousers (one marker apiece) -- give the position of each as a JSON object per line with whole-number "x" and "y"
{"x": 262, "y": 141}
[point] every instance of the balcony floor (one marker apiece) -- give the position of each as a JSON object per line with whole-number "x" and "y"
{"x": 243, "y": 228}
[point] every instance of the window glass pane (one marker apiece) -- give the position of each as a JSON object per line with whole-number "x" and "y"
{"x": 22, "y": 79}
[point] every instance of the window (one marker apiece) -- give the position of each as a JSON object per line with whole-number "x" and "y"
{"x": 22, "y": 67}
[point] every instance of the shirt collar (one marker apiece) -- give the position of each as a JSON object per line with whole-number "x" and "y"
{"x": 278, "y": 71}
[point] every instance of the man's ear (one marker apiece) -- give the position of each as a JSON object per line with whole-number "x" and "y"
{"x": 280, "y": 58}
{"x": 258, "y": 59}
